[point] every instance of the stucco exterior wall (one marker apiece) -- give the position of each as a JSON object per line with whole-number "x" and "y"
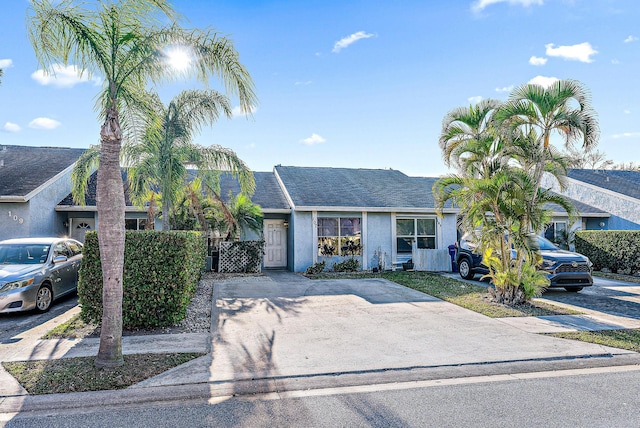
{"x": 378, "y": 238}
{"x": 625, "y": 210}
{"x": 304, "y": 246}
{"x": 14, "y": 220}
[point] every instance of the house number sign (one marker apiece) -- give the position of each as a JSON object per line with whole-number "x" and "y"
{"x": 15, "y": 218}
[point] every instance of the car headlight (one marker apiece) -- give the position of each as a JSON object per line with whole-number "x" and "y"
{"x": 548, "y": 264}
{"x": 17, "y": 284}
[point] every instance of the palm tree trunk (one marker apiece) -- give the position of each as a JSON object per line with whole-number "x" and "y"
{"x": 111, "y": 236}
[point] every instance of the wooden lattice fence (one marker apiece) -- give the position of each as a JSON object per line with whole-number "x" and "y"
{"x": 241, "y": 256}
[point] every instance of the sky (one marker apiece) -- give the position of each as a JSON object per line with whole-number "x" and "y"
{"x": 358, "y": 84}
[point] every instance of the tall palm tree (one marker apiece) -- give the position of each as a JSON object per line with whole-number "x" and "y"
{"x": 162, "y": 156}
{"x": 123, "y": 41}
{"x": 563, "y": 109}
{"x": 469, "y": 141}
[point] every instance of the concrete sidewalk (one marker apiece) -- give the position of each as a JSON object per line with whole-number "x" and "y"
{"x": 282, "y": 330}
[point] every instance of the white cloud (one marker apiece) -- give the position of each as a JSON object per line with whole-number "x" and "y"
{"x": 314, "y": 139}
{"x": 346, "y": 41}
{"x": 581, "y": 52}
{"x": 543, "y": 81}
{"x": 475, "y": 100}
{"x": 626, "y": 111}
{"x": 44, "y": 123}
{"x": 505, "y": 89}
{"x": 237, "y": 111}
{"x": 11, "y": 127}
{"x": 630, "y": 39}
{"x": 479, "y": 5}
{"x": 63, "y": 76}
{"x": 626, "y": 135}
{"x": 615, "y": 61}
{"x": 535, "y": 60}
{"x": 305, "y": 83}
{"x": 6, "y": 63}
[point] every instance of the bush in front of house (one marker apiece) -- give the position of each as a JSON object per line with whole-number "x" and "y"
{"x": 616, "y": 250}
{"x": 161, "y": 273}
{"x": 347, "y": 265}
{"x": 316, "y": 268}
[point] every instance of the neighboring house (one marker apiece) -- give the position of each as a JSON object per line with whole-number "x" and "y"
{"x": 560, "y": 227}
{"x": 32, "y": 181}
{"x": 616, "y": 193}
{"x": 79, "y": 219}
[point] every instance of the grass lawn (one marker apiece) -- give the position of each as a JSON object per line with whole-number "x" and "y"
{"x": 622, "y": 339}
{"x": 79, "y": 374}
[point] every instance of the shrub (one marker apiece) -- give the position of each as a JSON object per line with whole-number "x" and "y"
{"x": 348, "y": 265}
{"x": 161, "y": 272}
{"x": 316, "y": 268}
{"x": 617, "y": 250}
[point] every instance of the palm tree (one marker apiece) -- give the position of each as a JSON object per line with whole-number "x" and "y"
{"x": 123, "y": 41}
{"x": 160, "y": 159}
{"x": 247, "y": 216}
{"x": 469, "y": 140}
{"x": 563, "y": 109}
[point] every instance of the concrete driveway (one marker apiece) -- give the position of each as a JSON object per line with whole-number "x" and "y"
{"x": 284, "y": 326}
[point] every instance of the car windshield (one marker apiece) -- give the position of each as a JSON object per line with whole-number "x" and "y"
{"x": 23, "y": 254}
{"x": 545, "y": 244}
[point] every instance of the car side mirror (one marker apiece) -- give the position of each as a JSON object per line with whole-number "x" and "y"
{"x": 59, "y": 259}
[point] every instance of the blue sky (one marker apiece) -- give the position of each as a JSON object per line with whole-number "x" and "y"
{"x": 361, "y": 84}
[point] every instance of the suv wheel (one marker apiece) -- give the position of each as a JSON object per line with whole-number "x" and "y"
{"x": 465, "y": 269}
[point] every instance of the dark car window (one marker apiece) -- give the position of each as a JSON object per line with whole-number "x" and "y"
{"x": 545, "y": 244}
{"x": 23, "y": 254}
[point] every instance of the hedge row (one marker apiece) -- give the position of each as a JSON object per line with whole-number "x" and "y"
{"x": 161, "y": 272}
{"x": 616, "y": 250}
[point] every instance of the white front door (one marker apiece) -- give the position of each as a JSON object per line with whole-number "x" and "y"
{"x": 275, "y": 244}
{"x": 80, "y": 226}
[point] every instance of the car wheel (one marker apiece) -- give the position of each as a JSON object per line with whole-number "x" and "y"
{"x": 573, "y": 289}
{"x": 44, "y": 298}
{"x": 464, "y": 267}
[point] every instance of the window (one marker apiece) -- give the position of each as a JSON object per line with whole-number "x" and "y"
{"x": 135, "y": 223}
{"x": 339, "y": 236}
{"x": 420, "y": 230}
{"x": 557, "y": 232}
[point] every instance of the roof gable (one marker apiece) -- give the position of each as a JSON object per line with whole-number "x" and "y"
{"x": 623, "y": 182}
{"x": 24, "y": 169}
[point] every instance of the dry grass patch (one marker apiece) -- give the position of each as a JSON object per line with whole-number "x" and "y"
{"x": 621, "y": 339}
{"x": 80, "y": 375}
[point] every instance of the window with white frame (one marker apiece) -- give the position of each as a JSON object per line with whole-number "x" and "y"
{"x": 339, "y": 236}
{"x": 422, "y": 231}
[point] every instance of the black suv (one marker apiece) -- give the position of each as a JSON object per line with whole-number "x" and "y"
{"x": 563, "y": 268}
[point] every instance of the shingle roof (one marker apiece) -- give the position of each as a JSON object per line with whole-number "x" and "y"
{"x": 268, "y": 193}
{"x": 90, "y": 196}
{"x": 624, "y": 182}
{"x": 346, "y": 187}
{"x": 582, "y": 208}
{"x": 23, "y": 169}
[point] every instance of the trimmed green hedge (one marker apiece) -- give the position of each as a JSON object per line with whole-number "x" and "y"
{"x": 616, "y": 250}
{"x": 161, "y": 272}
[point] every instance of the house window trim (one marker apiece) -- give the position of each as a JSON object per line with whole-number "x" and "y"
{"x": 338, "y": 217}
{"x": 394, "y": 229}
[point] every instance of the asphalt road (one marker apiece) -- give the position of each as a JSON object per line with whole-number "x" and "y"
{"x": 550, "y": 399}
{"x": 12, "y": 324}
